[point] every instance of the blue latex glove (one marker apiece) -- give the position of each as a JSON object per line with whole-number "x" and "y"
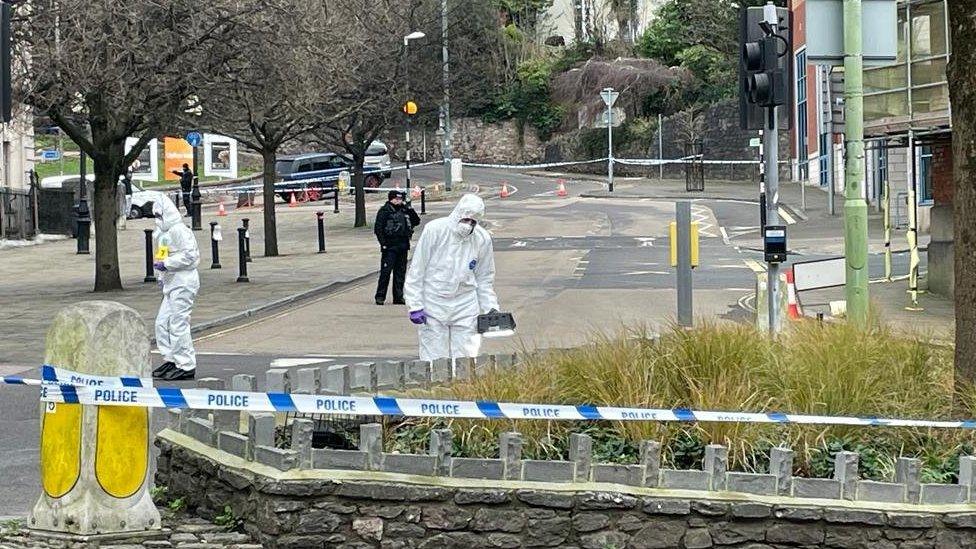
{"x": 159, "y": 266}
{"x": 418, "y": 317}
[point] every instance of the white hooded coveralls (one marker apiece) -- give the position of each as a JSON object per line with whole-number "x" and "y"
{"x": 179, "y": 282}
{"x": 451, "y": 278}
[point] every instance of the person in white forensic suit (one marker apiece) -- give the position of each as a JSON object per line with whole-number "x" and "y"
{"x": 451, "y": 281}
{"x": 176, "y": 260}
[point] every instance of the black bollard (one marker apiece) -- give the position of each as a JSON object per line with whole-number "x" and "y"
{"x": 335, "y": 200}
{"x": 321, "y": 231}
{"x": 247, "y": 238}
{"x": 214, "y": 247}
{"x": 241, "y": 256}
{"x": 197, "y": 203}
{"x": 423, "y": 201}
{"x": 150, "y": 272}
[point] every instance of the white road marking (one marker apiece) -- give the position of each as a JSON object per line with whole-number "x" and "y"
{"x": 725, "y": 235}
{"x": 518, "y": 244}
{"x": 786, "y": 217}
{"x": 642, "y": 273}
{"x": 755, "y": 265}
{"x": 292, "y": 362}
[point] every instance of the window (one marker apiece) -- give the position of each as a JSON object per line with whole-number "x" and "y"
{"x": 881, "y": 166}
{"x": 824, "y": 160}
{"x": 925, "y": 174}
{"x": 803, "y": 172}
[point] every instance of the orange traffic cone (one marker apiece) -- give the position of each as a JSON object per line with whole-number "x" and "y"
{"x": 221, "y": 212}
{"x": 292, "y": 203}
{"x": 561, "y": 191}
{"x": 504, "y": 193}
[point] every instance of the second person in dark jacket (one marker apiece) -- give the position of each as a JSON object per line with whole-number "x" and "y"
{"x": 394, "y": 226}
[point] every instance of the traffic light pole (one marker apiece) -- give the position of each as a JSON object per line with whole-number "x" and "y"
{"x": 855, "y": 207}
{"x": 771, "y": 174}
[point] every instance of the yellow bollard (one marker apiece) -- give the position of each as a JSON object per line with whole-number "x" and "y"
{"x": 96, "y": 468}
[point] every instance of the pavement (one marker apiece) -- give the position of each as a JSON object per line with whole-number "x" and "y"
{"x": 569, "y": 268}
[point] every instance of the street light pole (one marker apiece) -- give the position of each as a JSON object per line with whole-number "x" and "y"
{"x": 406, "y": 75}
{"x": 446, "y": 109}
{"x": 855, "y": 207}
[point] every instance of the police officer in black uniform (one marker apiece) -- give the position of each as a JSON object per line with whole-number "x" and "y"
{"x": 394, "y": 226}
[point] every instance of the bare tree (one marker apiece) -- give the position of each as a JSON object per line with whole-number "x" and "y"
{"x": 286, "y": 85}
{"x": 105, "y": 70}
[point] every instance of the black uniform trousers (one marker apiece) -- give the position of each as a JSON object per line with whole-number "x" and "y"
{"x": 394, "y": 260}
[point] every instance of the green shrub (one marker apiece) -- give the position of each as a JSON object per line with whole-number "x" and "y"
{"x": 834, "y": 369}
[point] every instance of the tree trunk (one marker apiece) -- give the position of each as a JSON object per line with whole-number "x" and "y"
{"x": 962, "y": 91}
{"x": 270, "y": 224}
{"x": 358, "y": 181}
{"x": 105, "y": 217}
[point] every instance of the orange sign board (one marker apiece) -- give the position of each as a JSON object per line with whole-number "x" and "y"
{"x": 176, "y": 152}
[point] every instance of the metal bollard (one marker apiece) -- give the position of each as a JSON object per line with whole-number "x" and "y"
{"x": 150, "y": 273}
{"x": 241, "y": 255}
{"x": 247, "y": 239}
{"x": 214, "y": 247}
{"x": 321, "y": 231}
{"x": 197, "y": 203}
{"x": 423, "y": 200}
{"x": 335, "y": 200}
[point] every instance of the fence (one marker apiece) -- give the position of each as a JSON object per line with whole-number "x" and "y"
{"x": 17, "y": 214}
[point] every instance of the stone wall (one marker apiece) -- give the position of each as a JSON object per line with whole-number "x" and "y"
{"x": 340, "y": 508}
{"x": 474, "y": 141}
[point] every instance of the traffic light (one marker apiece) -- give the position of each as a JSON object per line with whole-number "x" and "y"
{"x": 752, "y": 115}
{"x": 765, "y": 82}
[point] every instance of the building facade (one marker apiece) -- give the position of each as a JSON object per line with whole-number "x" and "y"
{"x": 907, "y": 128}
{"x": 581, "y": 20}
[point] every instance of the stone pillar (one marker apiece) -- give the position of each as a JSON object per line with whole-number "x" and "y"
{"x": 781, "y": 465}
{"x": 716, "y": 464}
{"x": 96, "y": 467}
{"x": 967, "y": 475}
{"x": 845, "y": 470}
{"x": 278, "y": 381}
{"x": 309, "y": 381}
{"x": 260, "y": 431}
{"x": 650, "y": 459}
{"x": 371, "y": 442}
{"x": 581, "y": 451}
{"x": 441, "y": 446}
{"x": 510, "y": 450}
{"x": 908, "y": 471}
{"x": 301, "y": 440}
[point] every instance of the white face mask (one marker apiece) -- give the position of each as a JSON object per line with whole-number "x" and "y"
{"x": 463, "y": 229}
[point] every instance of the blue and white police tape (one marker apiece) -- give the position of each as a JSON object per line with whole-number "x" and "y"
{"x": 205, "y": 399}
{"x": 52, "y": 375}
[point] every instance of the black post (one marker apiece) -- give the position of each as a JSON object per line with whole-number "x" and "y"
{"x": 214, "y": 247}
{"x": 423, "y": 200}
{"x": 84, "y": 213}
{"x": 321, "y": 231}
{"x": 241, "y": 256}
{"x": 762, "y": 211}
{"x": 150, "y": 273}
{"x": 197, "y": 204}
{"x": 247, "y": 238}
{"x": 335, "y": 200}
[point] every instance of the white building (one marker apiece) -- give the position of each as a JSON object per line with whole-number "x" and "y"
{"x": 17, "y": 151}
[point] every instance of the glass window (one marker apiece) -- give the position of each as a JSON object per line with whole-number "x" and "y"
{"x": 881, "y": 167}
{"x": 925, "y": 174}
{"x": 824, "y": 163}
{"x": 801, "y": 116}
{"x": 877, "y": 79}
{"x": 928, "y": 30}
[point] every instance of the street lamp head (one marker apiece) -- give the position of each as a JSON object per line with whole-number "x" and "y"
{"x": 413, "y": 36}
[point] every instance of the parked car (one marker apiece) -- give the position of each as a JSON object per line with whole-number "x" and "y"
{"x": 311, "y": 172}
{"x": 142, "y": 202}
{"x": 378, "y": 156}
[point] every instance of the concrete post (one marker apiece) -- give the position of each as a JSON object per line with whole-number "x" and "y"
{"x": 855, "y": 208}
{"x": 301, "y": 441}
{"x": 371, "y": 442}
{"x": 309, "y": 381}
{"x": 717, "y": 463}
{"x": 781, "y": 465}
{"x": 967, "y": 474}
{"x": 581, "y": 451}
{"x": 96, "y": 467}
{"x": 650, "y": 459}
{"x": 441, "y": 446}
{"x": 260, "y": 431}
{"x": 510, "y": 450}
{"x": 845, "y": 470}
{"x": 278, "y": 381}
{"x": 908, "y": 471}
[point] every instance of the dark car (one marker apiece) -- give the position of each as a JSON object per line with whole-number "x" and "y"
{"x": 311, "y": 172}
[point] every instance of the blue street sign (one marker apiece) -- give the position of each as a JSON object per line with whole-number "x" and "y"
{"x": 194, "y": 138}
{"x": 51, "y": 154}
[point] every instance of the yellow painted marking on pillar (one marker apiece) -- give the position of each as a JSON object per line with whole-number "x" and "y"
{"x": 673, "y": 237}
{"x": 694, "y": 244}
{"x": 60, "y": 449}
{"x": 122, "y": 451}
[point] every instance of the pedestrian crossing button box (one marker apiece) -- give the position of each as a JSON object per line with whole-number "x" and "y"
{"x": 774, "y": 243}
